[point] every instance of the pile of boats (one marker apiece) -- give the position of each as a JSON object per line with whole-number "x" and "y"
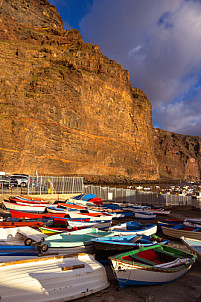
{"x": 51, "y": 247}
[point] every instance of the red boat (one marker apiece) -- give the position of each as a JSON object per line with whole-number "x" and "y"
{"x": 27, "y": 201}
{"x": 20, "y": 214}
{"x": 14, "y": 224}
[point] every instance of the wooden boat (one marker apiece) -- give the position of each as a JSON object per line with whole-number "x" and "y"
{"x": 194, "y": 222}
{"x": 91, "y": 216}
{"x": 56, "y": 209}
{"x": 133, "y": 228}
{"x": 20, "y": 236}
{"x": 53, "y": 230}
{"x": 160, "y": 211}
{"x": 104, "y": 224}
{"x": 28, "y": 215}
{"x": 85, "y": 199}
{"x": 194, "y": 245}
{"x": 24, "y": 207}
{"x": 145, "y": 215}
{"x": 16, "y": 199}
{"x": 18, "y": 250}
{"x": 30, "y": 198}
{"x": 54, "y": 278}
{"x": 91, "y": 211}
{"x": 180, "y": 230}
{"x": 109, "y": 246}
{"x": 152, "y": 265}
{"x": 166, "y": 224}
{"x": 59, "y": 221}
{"x": 114, "y": 206}
{"x": 69, "y": 240}
{"x": 13, "y": 224}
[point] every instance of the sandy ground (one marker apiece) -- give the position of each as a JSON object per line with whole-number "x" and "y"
{"x": 185, "y": 289}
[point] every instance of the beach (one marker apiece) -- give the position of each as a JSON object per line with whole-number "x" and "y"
{"x": 185, "y": 289}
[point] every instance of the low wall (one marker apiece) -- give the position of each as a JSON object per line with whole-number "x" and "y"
{"x": 50, "y": 198}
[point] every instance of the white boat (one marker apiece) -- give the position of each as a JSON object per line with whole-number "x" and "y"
{"x": 179, "y": 230}
{"x": 24, "y": 207}
{"x": 151, "y": 265}
{"x": 194, "y": 222}
{"x": 91, "y": 216}
{"x": 96, "y": 224}
{"x": 55, "y": 278}
{"x": 133, "y": 227}
{"x": 144, "y": 215}
{"x": 20, "y": 236}
{"x": 193, "y": 245}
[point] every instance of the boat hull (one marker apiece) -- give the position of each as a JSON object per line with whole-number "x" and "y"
{"x": 152, "y": 265}
{"x": 58, "y": 278}
{"x": 128, "y": 275}
{"x": 177, "y": 233}
{"x": 194, "y": 245}
{"x": 20, "y": 214}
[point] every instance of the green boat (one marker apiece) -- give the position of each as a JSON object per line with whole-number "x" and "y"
{"x": 151, "y": 265}
{"x": 68, "y": 241}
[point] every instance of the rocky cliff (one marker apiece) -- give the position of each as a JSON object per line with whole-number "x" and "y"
{"x": 65, "y": 107}
{"x": 179, "y": 156}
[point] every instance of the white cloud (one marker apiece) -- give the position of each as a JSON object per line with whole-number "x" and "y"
{"x": 159, "y": 43}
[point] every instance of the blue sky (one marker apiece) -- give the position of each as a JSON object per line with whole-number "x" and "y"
{"x": 158, "y": 42}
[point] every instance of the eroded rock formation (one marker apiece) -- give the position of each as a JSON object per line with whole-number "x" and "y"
{"x": 179, "y": 156}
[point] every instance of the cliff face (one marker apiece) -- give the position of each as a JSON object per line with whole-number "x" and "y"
{"x": 179, "y": 156}
{"x": 37, "y": 13}
{"x": 65, "y": 107}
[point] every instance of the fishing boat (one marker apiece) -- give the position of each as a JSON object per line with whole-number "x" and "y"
{"x": 109, "y": 246}
{"x": 195, "y": 222}
{"x": 24, "y": 207}
{"x": 13, "y": 224}
{"x": 179, "y": 230}
{"x": 18, "y": 250}
{"x": 166, "y": 224}
{"x": 151, "y": 265}
{"x": 114, "y": 206}
{"x": 92, "y": 211}
{"x": 91, "y": 216}
{"x": 133, "y": 228}
{"x": 194, "y": 245}
{"x": 85, "y": 199}
{"x": 20, "y": 236}
{"x": 160, "y": 211}
{"x": 28, "y": 215}
{"x": 145, "y": 215}
{"x": 60, "y": 222}
{"x": 99, "y": 224}
{"x": 67, "y": 241}
{"x": 54, "y": 230}
{"x": 53, "y": 278}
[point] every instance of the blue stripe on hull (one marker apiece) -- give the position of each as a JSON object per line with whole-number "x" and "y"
{"x": 125, "y": 283}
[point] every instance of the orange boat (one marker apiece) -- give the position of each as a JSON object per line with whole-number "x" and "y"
{"x": 13, "y": 224}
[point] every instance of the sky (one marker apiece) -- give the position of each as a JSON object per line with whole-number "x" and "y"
{"x": 158, "y": 42}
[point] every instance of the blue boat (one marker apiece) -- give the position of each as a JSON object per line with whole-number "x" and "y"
{"x": 117, "y": 207}
{"x": 112, "y": 245}
{"x": 134, "y": 228}
{"x": 18, "y": 250}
